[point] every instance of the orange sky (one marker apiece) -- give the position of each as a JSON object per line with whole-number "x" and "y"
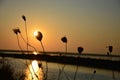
{"x": 92, "y": 24}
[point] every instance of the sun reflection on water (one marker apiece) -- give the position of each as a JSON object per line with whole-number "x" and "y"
{"x": 35, "y": 53}
{"x": 34, "y": 72}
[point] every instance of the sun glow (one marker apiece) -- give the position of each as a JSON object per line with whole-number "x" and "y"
{"x": 35, "y": 33}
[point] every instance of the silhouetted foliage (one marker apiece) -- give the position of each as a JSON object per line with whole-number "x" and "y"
{"x": 7, "y": 72}
{"x": 64, "y": 39}
{"x": 24, "y": 18}
{"x": 39, "y": 36}
{"x": 16, "y": 31}
{"x": 110, "y": 49}
{"x": 80, "y": 49}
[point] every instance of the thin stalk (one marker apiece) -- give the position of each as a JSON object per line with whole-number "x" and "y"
{"x": 26, "y": 34}
{"x": 21, "y": 50}
{"x": 113, "y": 75}
{"x": 62, "y": 70}
{"x": 46, "y": 73}
{"x": 76, "y": 73}
{"x": 42, "y": 46}
{"x": 76, "y": 69}
{"x": 19, "y": 43}
{"x": 28, "y": 43}
{"x": 30, "y": 60}
{"x": 66, "y": 47}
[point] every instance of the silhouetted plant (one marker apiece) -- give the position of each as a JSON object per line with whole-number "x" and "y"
{"x": 26, "y": 31}
{"x": 80, "y": 49}
{"x": 110, "y": 48}
{"x": 24, "y": 18}
{"x": 39, "y": 36}
{"x": 16, "y": 31}
{"x": 64, "y": 39}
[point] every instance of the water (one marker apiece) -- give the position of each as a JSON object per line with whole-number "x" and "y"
{"x": 32, "y": 71}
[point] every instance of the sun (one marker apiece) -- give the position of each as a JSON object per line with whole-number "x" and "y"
{"x": 35, "y": 33}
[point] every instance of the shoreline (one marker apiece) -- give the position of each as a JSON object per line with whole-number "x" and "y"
{"x": 78, "y": 61}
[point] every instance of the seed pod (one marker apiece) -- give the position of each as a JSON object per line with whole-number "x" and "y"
{"x": 64, "y": 39}
{"x": 80, "y": 49}
{"x": 39, "y": 36}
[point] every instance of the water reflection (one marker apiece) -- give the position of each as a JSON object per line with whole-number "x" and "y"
{"x": 34, "y": 72}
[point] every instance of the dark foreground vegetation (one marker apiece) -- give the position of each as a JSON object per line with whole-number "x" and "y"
{"x": 7, "y": 72}
{"x": 90, "y": 62}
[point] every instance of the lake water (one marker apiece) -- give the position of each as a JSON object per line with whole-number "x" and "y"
{"x": 55, "y": 71}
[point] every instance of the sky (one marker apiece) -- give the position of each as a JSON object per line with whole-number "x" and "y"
{"x": 92, "y": 24}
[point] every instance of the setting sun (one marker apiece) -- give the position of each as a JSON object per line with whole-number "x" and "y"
{"x": 35, "y": 33}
